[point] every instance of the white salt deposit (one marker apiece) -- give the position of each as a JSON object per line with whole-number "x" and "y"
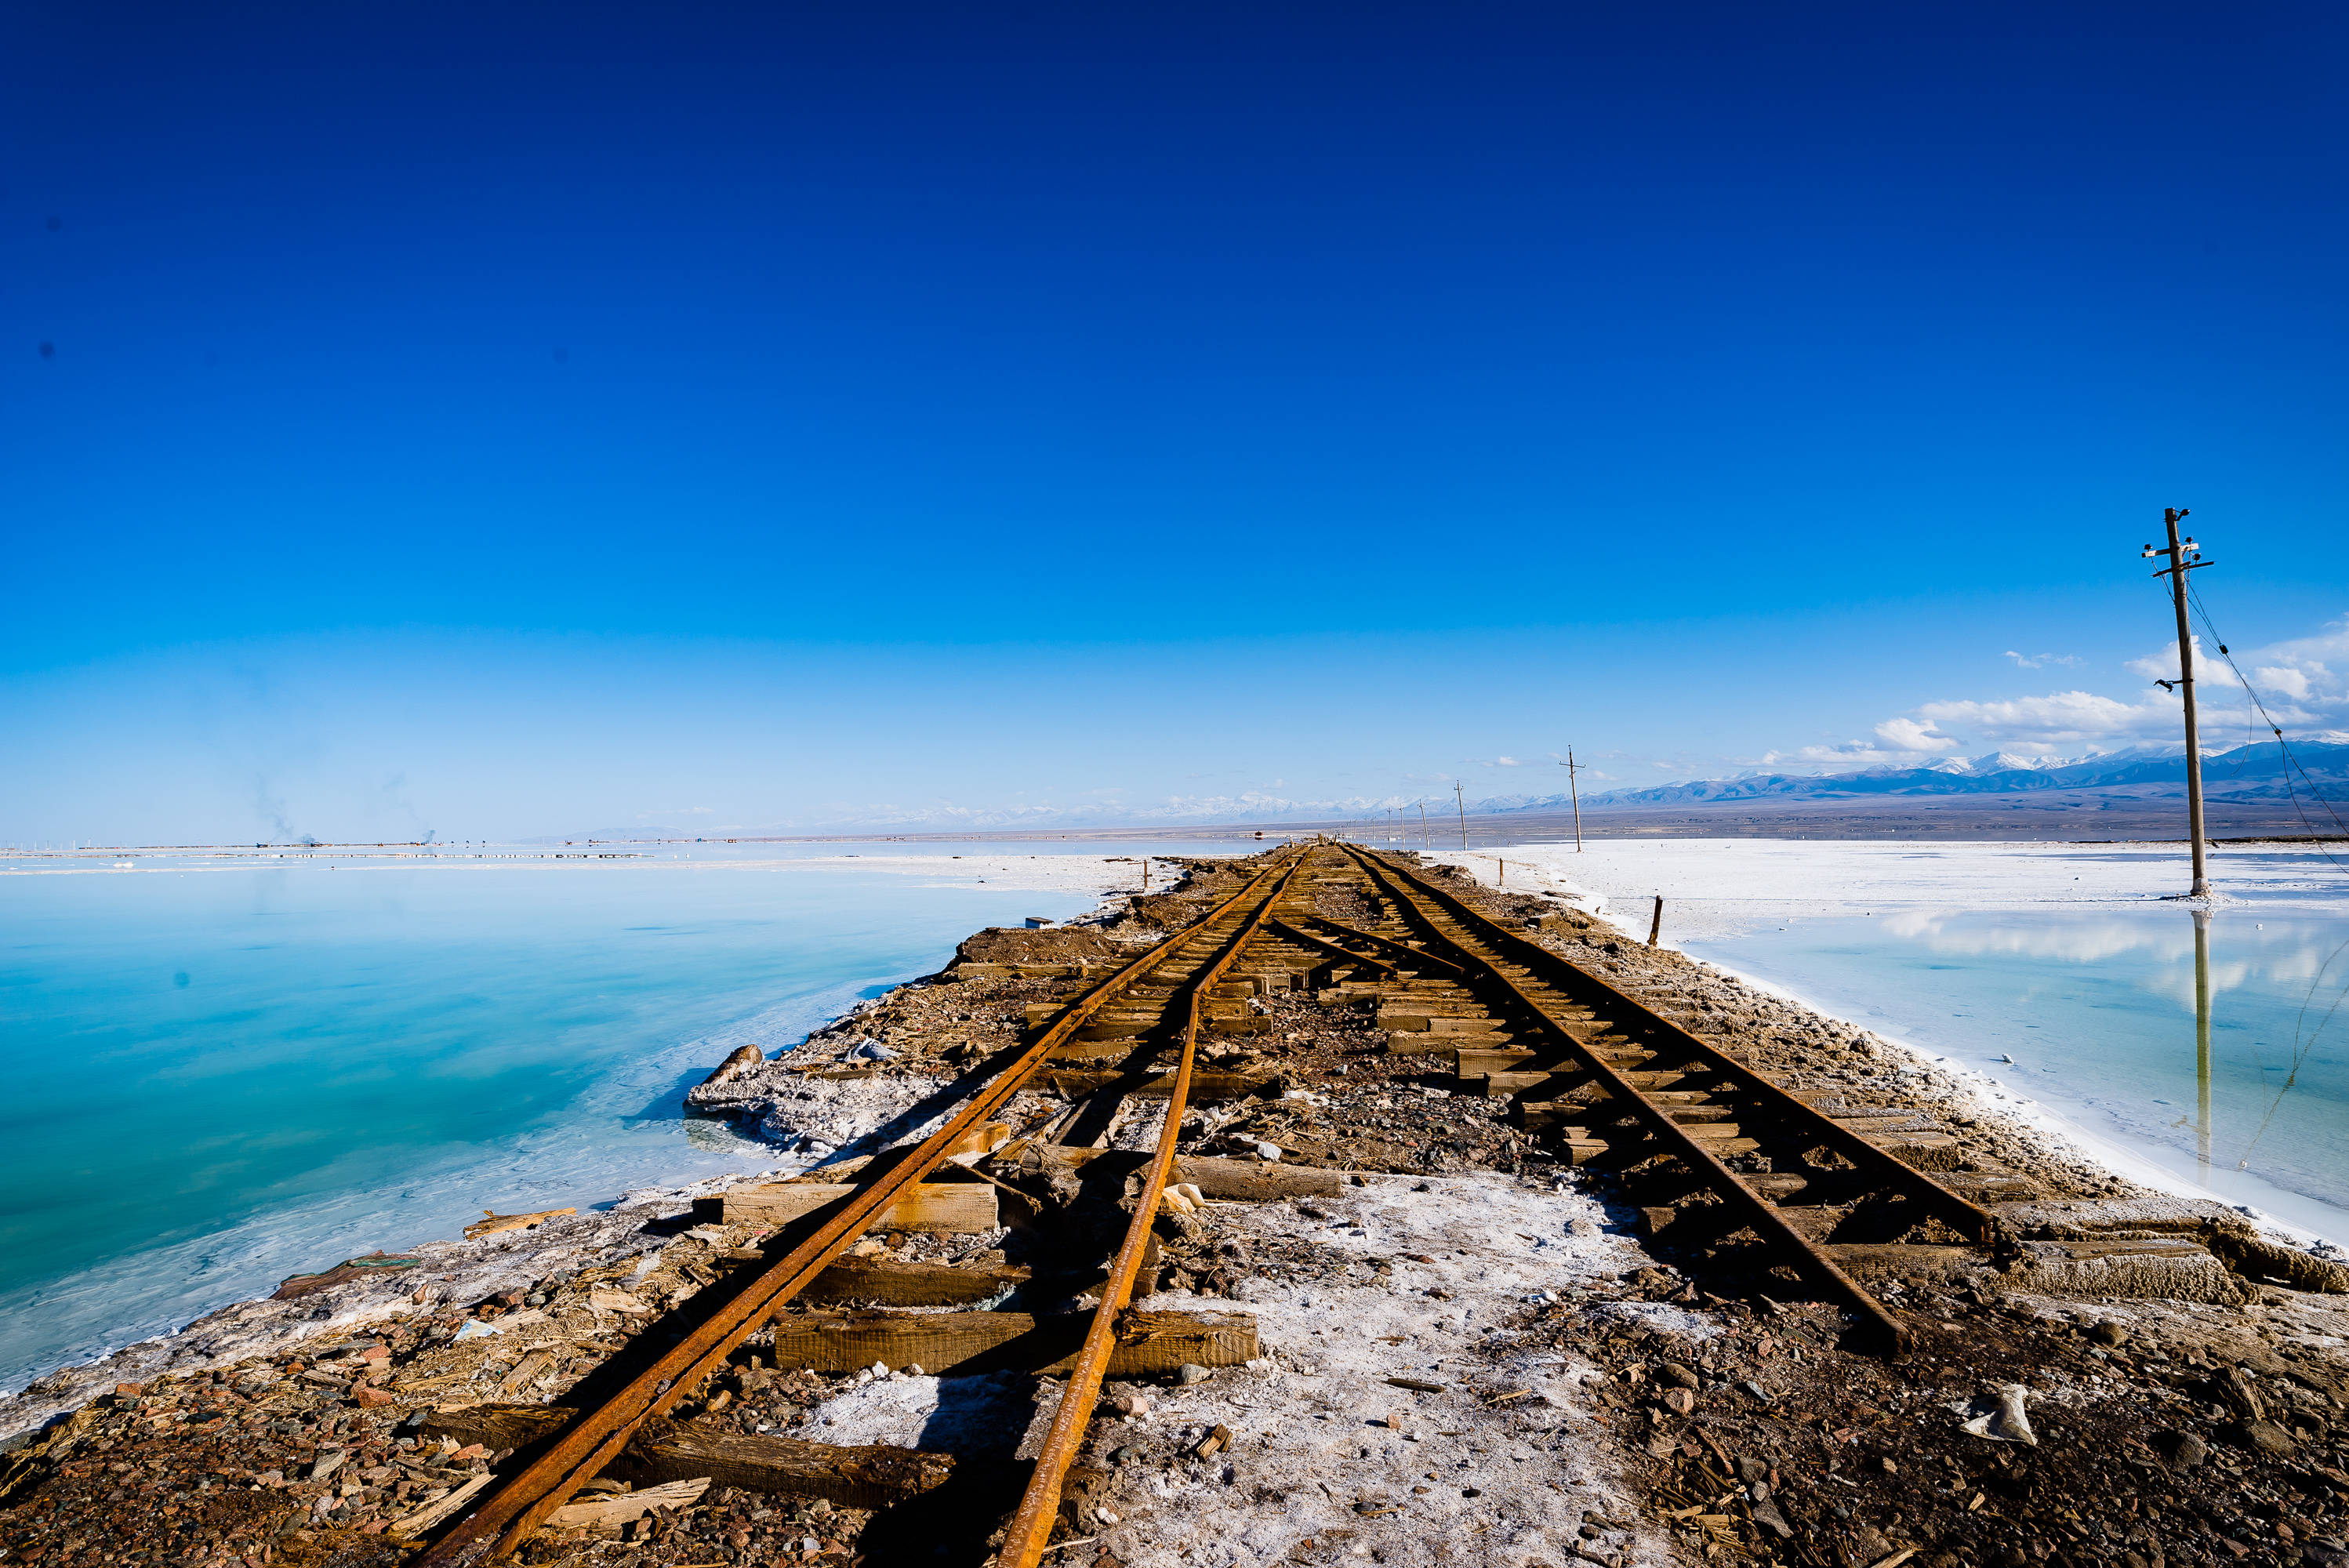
{"x": 951, "y": 1415}
{"x": 1476, "y": 1474}
{"x": 1725, "y": 887}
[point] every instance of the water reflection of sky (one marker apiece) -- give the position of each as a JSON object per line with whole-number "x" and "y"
{"x": 2098, "y": 1010}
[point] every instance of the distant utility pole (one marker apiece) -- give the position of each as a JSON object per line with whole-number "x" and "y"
{"x": 2185, "y": 556}
{"x": 1575, "y": 795}
{"x": 1427, "y": 839}
{"x": 1462, "y": 801}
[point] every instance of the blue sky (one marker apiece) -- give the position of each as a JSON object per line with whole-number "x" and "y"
{"x": 549, "y": 420}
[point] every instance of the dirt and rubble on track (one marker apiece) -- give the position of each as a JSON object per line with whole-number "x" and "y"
{"x": 1469, "y": 1354}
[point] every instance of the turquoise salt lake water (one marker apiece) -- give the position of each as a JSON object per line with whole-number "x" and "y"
{"x": 2098, "y": 1008}
{"x": 225, "y": 1070}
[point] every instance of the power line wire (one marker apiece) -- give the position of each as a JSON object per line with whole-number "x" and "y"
{"x": 2303, "y": 1038}
{"x": 2291, "y": 760}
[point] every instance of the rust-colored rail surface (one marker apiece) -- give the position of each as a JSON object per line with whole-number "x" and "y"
{"x": 1031, "y": 1530}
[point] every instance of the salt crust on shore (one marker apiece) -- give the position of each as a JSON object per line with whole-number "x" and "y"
{"x": 1310, "y": 1419}
{"x": 1725, "y": 887}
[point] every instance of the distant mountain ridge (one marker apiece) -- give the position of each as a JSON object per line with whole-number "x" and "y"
{"x": 2248, "y": 773}
{"x": 2245, "y": 774}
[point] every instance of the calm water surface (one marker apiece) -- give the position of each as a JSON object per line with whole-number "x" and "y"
{"x": 222, "y": 1073}
{"x": 2243, "y": 1091}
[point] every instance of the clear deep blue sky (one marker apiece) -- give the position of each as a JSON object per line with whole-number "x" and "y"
{"x": 593, "y": 416}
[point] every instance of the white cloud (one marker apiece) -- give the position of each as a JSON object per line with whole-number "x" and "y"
{"x": 1848, "y": 754}
{"x": 2163, "y": 665}
{"x": 1909, "y": 735}
{"x": 2296, "y": 679}
{"x": 2284, "y": 680}
{"x": 2069, "y": 716}
{"x": 1507, "y": 762}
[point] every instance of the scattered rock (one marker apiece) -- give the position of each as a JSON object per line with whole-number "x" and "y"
{"x": 2265, "y": 1436}
{"x": 2183, "y": 1450}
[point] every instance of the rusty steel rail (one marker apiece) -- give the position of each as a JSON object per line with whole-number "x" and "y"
{"x": 1753, "y": 1208}
{"x": 1026, "y": 1537}
{"x": 510, "y": 1511}
{"x": 1959, "y": 1213}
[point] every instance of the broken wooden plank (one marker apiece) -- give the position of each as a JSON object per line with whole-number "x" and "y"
{"x": 1148, "y": 1343}
{"x": 534, "y": 1366}
{"x": 1475, "y": 1062}
{"x": 493, "y": 1222}
{"x": 980, "y": 1142}
{"x": 863, "y": 1476}
{"x": 1230, "y": 1181}
{"x": 1254, "y": 1181}
{"x": 847, "y": 1476}
{"x": 1204, "y": 1087}
{"x": 953, "y": 1207}
{"x": 1502, "y": 1085}
{"x": 605, "y": 1515}
{"x": 1419, "y": 1043}
{"x": 422, "y": 1520}
{"x": 888, "y": 1283}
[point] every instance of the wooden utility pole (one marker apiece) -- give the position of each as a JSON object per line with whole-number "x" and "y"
{"x": 1426, "y": 838}
{"x": 1462, "y": 801}
{"x": 2202, "y": 1040}
{"x": 2184, "y": 557}
{"x": 1575, "y": 795}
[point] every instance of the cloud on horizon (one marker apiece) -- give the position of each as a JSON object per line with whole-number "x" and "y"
{"x": 2301, "y": 680}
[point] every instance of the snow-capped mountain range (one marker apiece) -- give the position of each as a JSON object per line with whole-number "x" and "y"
{"x": 2243, "y": 773}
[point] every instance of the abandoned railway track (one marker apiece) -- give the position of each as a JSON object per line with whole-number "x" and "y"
{"x": 1723, "y": 1154}
{"x": 1326, "y": 1206}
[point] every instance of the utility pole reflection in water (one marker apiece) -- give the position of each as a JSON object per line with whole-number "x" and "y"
{"x": 2202, "y": 1040}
